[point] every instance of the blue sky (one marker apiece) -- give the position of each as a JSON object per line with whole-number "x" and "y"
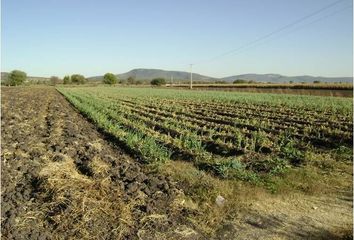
{"x": 92, "y": 37}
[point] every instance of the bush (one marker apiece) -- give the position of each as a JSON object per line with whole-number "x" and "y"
{"x": 158, "y": 81}
{"x": 67, "y": 80}
{"x": 109, "y": 78}
{"x": 316, "y": 81}
{"x": 139, "y": 82}
{"x": 78, "y": 79}
{"x": 239, "y": 81}
{"x": 131, "y": 80}
{"x": 16, "y": 77}
{"x": 54, "y": 80}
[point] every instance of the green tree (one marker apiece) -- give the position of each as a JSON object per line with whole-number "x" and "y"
{"x": 78, "y": 79}
{"x": 67, "y": 80}
{"x": 239, "y": 81}
{"x": 158, "y": 81}
{"x": 316, "y": 81}
{"x": 16, "y": 77}
{"x": 109, "y": 78}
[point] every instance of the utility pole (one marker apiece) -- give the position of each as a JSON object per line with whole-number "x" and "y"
{"x": 191, "y": 84}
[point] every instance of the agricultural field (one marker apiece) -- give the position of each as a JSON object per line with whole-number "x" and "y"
{"x": 145, "y": 163}
{"x": 317, "y": 89}
{"x": 243, "y": 136}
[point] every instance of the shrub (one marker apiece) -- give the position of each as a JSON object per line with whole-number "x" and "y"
{"x": 158, "y": 81}
{"x": 109, "y": 78}
{"x": 78, "y": 79}
{"x": 67, "y": 80}
{"x": 239, "y": 81}
{"x": 131, "y": 80}
{"x": 139, "y": 82}
{"x": 54, "y": 80}
{"x": 16, "y": 77}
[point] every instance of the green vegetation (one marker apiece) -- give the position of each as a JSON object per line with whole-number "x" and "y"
{"x": 248, "y": 137}
{"x": 158, "y": 82}
{"x": 240, "y": 81}
{"x": 109, "y": 78}
{"x": 67, "y": 80}
{"x": 16, "y": 78}
{"x": 78, "y": 79}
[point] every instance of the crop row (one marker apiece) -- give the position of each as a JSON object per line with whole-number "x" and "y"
{"x": 158, "y": 129}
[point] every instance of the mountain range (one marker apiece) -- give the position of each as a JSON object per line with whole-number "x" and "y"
{"x": 149, "y": 74}
{"x": 179, "y": 76}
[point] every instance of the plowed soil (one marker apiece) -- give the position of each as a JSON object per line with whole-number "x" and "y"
{"x": 62, "y": 179}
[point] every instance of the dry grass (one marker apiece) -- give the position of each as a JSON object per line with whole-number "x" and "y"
{"x": 99, "y": 167}
{"x": 77, "y": 202}
{"x": 201, "y": 190}
{"x": 322, "y": 175}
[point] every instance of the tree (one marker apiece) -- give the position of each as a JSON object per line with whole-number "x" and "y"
{"x": 158, "y": 81}
{"x": 239, "y": 81}
{"x": 131, "y": 80}
{"x": 139, "y": 82}
{"x": 16, "y": 77}
{"x": 67, "y": 80}
{"x": 109, "y": 78}
{"x": 54, "y": 80}
{"x": 316, "y": 81}
{"x": 78, "y": 79}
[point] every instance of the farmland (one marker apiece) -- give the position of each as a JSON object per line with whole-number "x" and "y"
{"x": 150, "y": 163}
{"x": 318, "y": 89}
{"x": 243, "y": 136}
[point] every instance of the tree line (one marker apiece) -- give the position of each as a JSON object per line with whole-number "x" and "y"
{"x": 17, "y": 77}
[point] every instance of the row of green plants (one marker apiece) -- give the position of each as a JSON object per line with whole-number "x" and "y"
{"x": 329, "y": 107}
{"x": 157, "y": 135}
{"x": 310, "y": 130}
{"x": 315, "y": 132}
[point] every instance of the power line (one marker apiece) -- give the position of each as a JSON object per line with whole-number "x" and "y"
{"x": 273, "y": 32}
{"x": 296, "y": 29}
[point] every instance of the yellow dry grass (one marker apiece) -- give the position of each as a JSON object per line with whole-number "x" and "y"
{"x": 78, "y": 201}
{"x": 99, "y": 167}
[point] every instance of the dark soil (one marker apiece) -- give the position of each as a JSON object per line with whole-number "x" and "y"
{"x": 40, "y": 131}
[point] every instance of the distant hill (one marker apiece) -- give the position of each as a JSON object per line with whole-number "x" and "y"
{"x": 149, "y": 74}
{"x": 277, "y": 78}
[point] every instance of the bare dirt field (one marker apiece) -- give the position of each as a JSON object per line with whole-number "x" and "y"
{"x": 63, "y": 179}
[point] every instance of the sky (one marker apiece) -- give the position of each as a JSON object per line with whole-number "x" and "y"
{"x": 220, "y": 37}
